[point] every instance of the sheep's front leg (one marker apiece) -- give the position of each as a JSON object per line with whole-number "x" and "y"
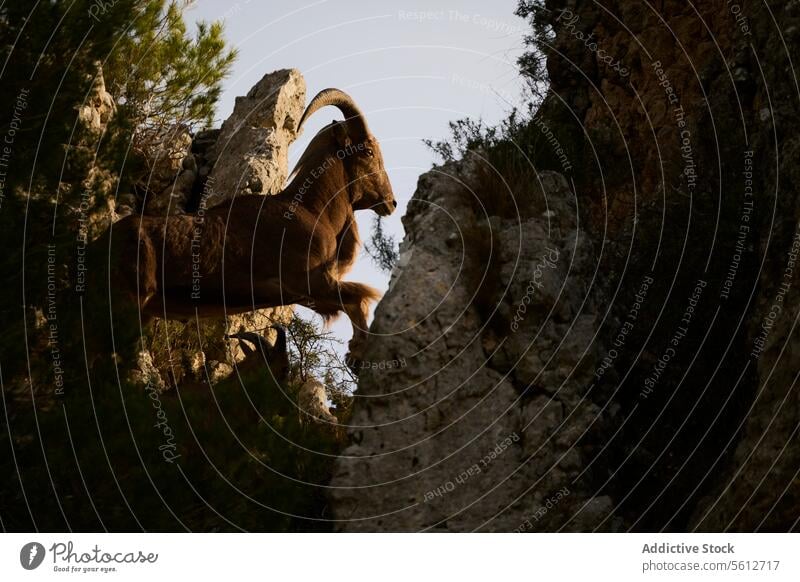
{"x": 328, "y": 296}
{"x": 355, "y": 298}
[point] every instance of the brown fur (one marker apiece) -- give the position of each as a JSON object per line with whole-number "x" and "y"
{"x": 255, "y": 252}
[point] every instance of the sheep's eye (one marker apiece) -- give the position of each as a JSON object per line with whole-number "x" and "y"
{"x": 369, "y": 152}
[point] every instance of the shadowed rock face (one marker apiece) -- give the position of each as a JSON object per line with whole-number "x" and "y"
{"x": 247, "y": 155}
{"x": 478, "y": 429}
{"x": 705, "y": 127}
{"x": 567, "y": 417}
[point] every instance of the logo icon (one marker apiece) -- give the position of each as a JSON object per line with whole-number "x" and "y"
{"x": 31, "y": 555}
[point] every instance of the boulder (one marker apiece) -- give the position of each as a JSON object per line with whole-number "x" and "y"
{"x": 99, "y": 108}
{"x": 250, "y": 154}
{"x": 312, "y": 400}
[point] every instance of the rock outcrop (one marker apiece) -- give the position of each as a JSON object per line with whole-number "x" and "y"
{"x": 99, "y": 108}
{"x": 481, "y": 427}
{"x": 247, "y": 155}
{"x": 312, "y": 402}
{"x": 250, "y": 154}
{"x": 647, "y": 380}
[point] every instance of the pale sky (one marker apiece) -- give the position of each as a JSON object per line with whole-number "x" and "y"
{"x": 411, "y": 66}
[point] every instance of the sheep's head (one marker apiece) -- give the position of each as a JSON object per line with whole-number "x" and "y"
{"x": 359, "y": 151}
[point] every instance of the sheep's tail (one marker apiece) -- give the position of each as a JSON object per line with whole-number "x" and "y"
{"x": 349, "y": 293}
{"x": 358, "y": 292}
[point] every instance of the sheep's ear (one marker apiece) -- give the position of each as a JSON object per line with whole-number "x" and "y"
{"x": 341, "y": 135}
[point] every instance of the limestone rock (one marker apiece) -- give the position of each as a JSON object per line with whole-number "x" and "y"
{"x": 146, "y": 373}
{"x": 313, "y": 403}
{"x": 99, "y": 108}
{"x": 250, "y": 155}
{"x": 471, "y": 433}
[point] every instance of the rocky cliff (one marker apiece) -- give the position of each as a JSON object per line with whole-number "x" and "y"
{"x": 477, "y": 428}
{"x": 614, "y": 350}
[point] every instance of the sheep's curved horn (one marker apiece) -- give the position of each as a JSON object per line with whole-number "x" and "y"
{"x": 342, "y": 101}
